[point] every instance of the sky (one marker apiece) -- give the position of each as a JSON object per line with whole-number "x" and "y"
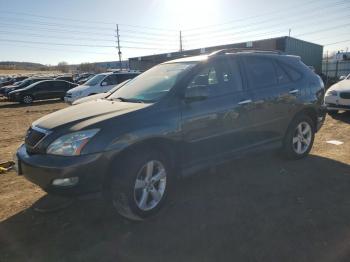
{"x": 77, "y": 31}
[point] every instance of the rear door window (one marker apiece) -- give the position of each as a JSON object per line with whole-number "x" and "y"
{"x": 293, "y": 74}
{"x": 260, "y": 72}
{"x": 123, "y": 77}
{"x": 282, "y": 77}
{"x": 59, "y": 85}
{"x": 111, "y": 80}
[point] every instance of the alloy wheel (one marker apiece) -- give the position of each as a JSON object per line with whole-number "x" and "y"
{"x": 302, "y": 138}
{"x": 27, "y": 99}
{"x": 150, "y": 185}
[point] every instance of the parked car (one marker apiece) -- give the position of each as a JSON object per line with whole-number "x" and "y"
{"x": 176, "y": 118}
{"x": 7, "y": 89}
{"x": 83, "y": 77}
{"x": 65, "y": 78}
{"x": 100, "y": 83}
{"x": 47, "y": 89}
{"x": 338, "y": 96}
{"x": 13, "y": 80}
{"x": 101, "y": 95}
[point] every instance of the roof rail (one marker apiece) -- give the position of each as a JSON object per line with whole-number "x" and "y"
{"x": 237, "y": 50}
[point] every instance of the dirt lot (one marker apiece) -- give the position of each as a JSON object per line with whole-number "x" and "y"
{"x": 25, "y": 72}
{"x": 260, "y": 208}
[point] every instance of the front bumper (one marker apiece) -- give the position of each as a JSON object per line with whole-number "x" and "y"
{"x": 42, "y": 170}
{"x": 337, "y": 103}
{"x": 69, "y": 100}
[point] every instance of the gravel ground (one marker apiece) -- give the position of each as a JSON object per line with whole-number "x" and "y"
{"x": 260, "y": 208}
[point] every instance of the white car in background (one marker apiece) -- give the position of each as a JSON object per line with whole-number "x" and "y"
{"x": 101, "y": 95}
{"x": 338, "y": 96}
{"x": 100, "y": 83}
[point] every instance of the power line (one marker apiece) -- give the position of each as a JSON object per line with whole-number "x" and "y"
{"x": 225, "y": 36}
{"x": 52, "y": 43}
{"x": 277, "y": 10}
{"x": 51, "y": 29}
{"x": 81, "y": 45}
{"x": 82, "y": 21}
{"x": 339, "y": 42}
{"x": 21, "y": 20}
{"x": 56, "y": 37}
{"x": 291, "y": 18}
{"x": 62, "y": 50}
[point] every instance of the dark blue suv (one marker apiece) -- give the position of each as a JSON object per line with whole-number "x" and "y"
{"x": 177, "y": 117}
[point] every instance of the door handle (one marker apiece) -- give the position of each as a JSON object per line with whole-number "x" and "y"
{"x": 244, "y": 102}
{"x": 294, "y": 91}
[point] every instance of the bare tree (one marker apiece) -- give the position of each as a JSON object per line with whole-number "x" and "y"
{"x": 63, "y": 67}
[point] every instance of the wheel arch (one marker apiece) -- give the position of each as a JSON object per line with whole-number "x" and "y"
{"x": 310, "y": 112}
{"x": 170, "y": 148}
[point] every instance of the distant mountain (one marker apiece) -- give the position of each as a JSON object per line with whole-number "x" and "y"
{"x": 21, "y": 65}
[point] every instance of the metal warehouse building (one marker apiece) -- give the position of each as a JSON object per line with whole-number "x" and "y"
{"x": 310, "y": 53}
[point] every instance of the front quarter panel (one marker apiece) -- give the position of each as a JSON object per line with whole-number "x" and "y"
{"x": 124, "y": 131}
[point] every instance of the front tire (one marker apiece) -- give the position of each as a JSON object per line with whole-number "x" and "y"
{"x": 299, "y": 138}
{"x": 141, "y": 186}
{"x": 27, "y": 99}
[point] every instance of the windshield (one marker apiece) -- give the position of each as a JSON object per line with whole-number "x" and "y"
{"x": 95, "y": 80}
{"x": 118, "y": 86}
{"x": 152, "y": 84}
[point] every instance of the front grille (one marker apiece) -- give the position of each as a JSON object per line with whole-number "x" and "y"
{"x": 345, "y": 95}
{"x": 69, "y": 95}
{"x": 33, "y": 137}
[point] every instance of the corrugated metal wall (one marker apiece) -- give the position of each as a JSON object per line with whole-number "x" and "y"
{"x": 310, "y": 53}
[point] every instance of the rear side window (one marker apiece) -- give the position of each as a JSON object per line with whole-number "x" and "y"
{"x": 293, "y": 74}
{"x": 221, "y": 77}
{"x": 123, "y": 77}
{"x": 111, "y": 80}
{"x": 260, "y": 72}
{"x": 42, "y": 86}
{"x": 282, "y": 77}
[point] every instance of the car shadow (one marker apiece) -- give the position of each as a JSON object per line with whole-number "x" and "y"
{"x": 7, "y": 104}
{"x": 344, "y": 117}
{"x": 260, "y": 208}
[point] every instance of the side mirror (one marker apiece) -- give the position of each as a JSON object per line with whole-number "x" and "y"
{"x": 104, "y": 84}
{"x": 342, "y": 77}
{"x": 196, "y": 93}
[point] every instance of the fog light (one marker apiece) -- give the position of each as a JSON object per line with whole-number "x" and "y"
{"x": 70, "y": 181}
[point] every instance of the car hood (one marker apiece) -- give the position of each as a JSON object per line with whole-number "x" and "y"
{"x": 90, "y": 98}
{"x": 83, "y": 115}
{"x": 343, "y": 85}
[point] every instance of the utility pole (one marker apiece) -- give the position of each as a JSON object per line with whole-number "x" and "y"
{"x": 119, "y": 52}
{"x": 181, "y": 41}
{"x": 327, "y": 70}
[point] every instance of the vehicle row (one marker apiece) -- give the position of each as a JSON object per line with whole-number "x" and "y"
{"x": 41, "y": 88}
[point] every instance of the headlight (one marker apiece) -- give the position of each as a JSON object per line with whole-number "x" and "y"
{"x": 332, "y": 93}
{"x": 71, "y": 144}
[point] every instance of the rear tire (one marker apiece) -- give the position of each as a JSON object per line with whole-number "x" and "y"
{"x": 141, "y": 184}
{"x": 299, "y": 138}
